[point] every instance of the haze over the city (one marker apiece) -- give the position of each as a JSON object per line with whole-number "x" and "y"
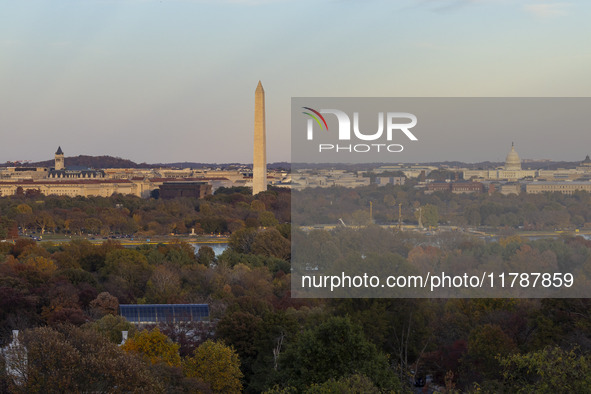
{"x": 174, "y": 80}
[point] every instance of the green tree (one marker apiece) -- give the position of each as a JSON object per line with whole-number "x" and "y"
{"x": 267, "y": 219}
{"x": 257, "y": 205}
{"x": 205, "y": 255}
{"x": 551, "y": 370}
{"x": 238, "y": 329}
{"x": 216, "y": 364}
{"x": 429, "y": 214}
{"x": 131, "y": 268}
{"x": 270, "y": 243}
{"x": 334, "y": 349}
{"x": 180, "y": 254}
{"x": 111, "y": 326}
{"x": 389, "y": 200}
{"x": 354, "y": 384}
{"x": 360, "y": 217}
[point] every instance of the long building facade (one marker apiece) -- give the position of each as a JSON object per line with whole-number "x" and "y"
{"x": 70, "y": 188}
{"x": 60, "y": 180}
{"x": 561, "y": 187}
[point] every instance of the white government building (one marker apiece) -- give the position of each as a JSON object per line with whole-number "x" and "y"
{"x": 512, "y": 170}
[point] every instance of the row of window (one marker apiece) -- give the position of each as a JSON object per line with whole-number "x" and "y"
{"x": 169, "y": 313}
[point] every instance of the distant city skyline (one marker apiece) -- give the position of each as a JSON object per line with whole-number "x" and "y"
{"x": 170, "y": 81}
{"x": 525, "y": 161}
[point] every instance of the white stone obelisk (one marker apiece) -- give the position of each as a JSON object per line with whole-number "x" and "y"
{"x": 259, "y": 162}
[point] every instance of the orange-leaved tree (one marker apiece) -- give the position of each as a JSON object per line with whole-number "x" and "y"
{"x": 155, "y": 346}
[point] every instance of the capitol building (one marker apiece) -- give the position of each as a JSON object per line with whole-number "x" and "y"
{"x": 511, "y": 171}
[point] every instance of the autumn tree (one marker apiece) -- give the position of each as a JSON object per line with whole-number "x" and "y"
{"x": 44, "y": 220}
{"x": 105, "y": 304}
{"x": 216, "y": 364}
{"x": 188, "y": 335}
{"x": 154, "y": 346}
{"x": 241, "y": 241}
{"x": 164, "y": 286}
{"x": 71, "y": 359}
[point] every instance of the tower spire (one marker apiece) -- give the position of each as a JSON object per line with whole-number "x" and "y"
{"x": 259, "y": 162}
{"x": 59, "y": 159}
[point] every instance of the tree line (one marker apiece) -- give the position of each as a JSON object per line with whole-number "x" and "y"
{"x": 223, "y": 213}
{"x": 547, "y": 211}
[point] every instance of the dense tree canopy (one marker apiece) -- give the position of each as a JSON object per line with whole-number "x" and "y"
{"x": 64, "y": 297}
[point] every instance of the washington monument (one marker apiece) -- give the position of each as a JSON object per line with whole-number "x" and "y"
{"x": 259, "y": 162}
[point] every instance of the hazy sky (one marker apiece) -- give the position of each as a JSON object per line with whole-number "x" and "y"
{"x": 174, "y": 80}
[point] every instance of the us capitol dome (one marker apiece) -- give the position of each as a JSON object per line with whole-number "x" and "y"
{"x": 513, "y": 162}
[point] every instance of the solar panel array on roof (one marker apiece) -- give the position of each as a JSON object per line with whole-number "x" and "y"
{"x": 165, "y": 313}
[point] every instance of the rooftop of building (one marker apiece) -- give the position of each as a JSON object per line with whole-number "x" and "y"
{"x": 187, "y": 179}
{"x": 65, "y": 182}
